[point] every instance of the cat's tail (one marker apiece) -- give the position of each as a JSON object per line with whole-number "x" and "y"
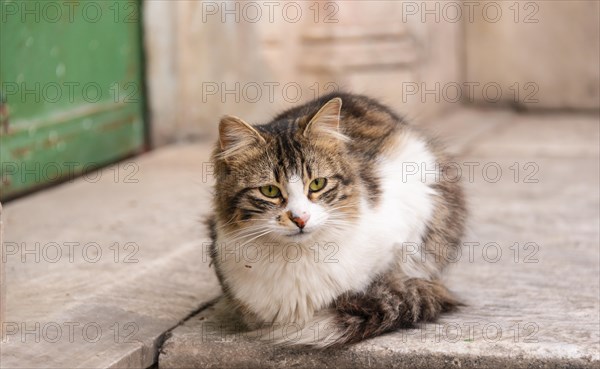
{"x": 380, "y": 309}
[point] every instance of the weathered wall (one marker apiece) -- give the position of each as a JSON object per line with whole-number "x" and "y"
{"x": 208, "y": 58}
{"x": 540, "y": 54}
{"x": 162, "y": 77}
{"x": 252, "y": 59}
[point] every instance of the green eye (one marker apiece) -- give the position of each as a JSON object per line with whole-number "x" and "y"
{"x": 317, "y": 184}
{"x": 270, "y": 191}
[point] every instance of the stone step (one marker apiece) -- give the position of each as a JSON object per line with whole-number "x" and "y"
{"x": 98, "y": 269}
{"x": 131, "y": 266}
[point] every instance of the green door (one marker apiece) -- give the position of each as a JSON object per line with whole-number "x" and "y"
{"x": 71, "y": 89}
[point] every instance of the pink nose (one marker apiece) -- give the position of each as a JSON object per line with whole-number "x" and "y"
{"x": 299, "y": 220}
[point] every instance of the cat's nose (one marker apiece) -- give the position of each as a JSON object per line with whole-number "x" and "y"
{"x": 299, "y": 220}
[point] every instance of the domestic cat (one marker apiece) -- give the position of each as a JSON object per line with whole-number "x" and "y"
{"x": 335, "y": 219}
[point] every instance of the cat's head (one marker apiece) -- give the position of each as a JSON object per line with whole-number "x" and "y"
{"x": 287, "y": 181}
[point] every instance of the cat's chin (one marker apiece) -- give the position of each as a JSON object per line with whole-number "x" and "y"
{"x": 298, "y": 236}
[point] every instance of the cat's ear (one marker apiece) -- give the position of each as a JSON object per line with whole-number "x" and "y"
{"x": 236, "y": 135}
{"x": 326, "y": 123}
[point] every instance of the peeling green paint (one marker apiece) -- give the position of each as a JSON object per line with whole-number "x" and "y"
{"x": 71, "y": 86}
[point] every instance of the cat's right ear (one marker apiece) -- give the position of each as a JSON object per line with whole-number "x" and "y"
{"x": 236, "y": 135}
{"x": 325, "y": 124}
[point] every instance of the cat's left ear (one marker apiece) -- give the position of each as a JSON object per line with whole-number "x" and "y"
{"x": 326, "y": 123}
{"x": 235, "y": 135}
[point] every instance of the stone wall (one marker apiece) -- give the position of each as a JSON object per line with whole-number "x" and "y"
{"x": 252, "y": 59}
{"x": 537, "y": 54}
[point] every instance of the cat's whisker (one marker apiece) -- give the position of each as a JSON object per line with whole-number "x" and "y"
{"x": 247, "y": 229}
{"x": 249, "y": 233}
{"x": 338, "y": 221}
{"x": 345, "y": 219}
{"x": 246, "y": 233}
{"x": 226, "y": 223}
{"x": 260, "y": 235}
{"x": 340, "y": 227}
{"x": 242, "y": 222}
{"x": 342, "y": 215}
{"x": 343, "y": 207}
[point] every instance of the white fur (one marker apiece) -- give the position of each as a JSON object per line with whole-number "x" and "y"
{"x": 284, "y": 290}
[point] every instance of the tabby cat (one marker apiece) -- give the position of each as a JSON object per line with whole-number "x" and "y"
{"x": 336, "y": 219}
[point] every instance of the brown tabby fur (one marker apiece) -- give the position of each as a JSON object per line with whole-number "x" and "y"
{"x": 393, "y": 300}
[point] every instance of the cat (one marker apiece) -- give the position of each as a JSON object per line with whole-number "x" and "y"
{"x": 336, "y": 218}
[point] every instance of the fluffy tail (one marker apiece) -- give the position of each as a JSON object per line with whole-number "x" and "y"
{"x": 384, "y": 307}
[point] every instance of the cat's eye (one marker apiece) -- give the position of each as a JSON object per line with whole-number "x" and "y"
{"x": 317, "y": 184}
{"x": 270, "y": 191}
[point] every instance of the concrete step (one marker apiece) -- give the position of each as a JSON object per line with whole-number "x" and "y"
{"x": 97, "y": 270}
{"x": 529, "y": 270}
{"x": 131, "y": 265}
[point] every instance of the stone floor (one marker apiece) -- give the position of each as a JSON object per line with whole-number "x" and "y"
{"x": 529, "y": 271}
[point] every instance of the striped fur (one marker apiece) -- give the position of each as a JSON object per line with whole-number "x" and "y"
{"x": 367, "y": 256}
